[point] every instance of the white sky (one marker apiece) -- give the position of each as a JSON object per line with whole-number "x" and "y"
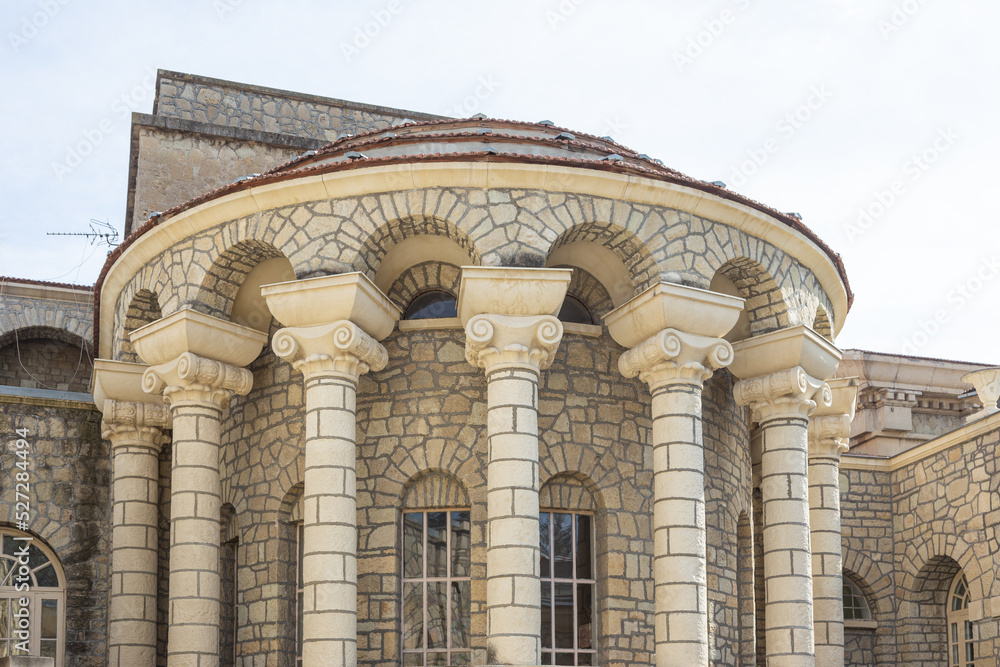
{"x": 706, "y": 87}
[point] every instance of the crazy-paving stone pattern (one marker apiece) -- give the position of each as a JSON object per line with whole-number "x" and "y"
{"x": 859, "y": 647}
{"x": 22, "y": 312}
{"x": 269, "y": 111}
{"x": 69, "y": 495}
{"x": 174, "y": 167}
{"x": 497, "y": 227}
{"x": 421, "y": 277}
{"x": 143, "y": 309}
{"x": 727, "y": 497}
{"x": 42, "y": 358}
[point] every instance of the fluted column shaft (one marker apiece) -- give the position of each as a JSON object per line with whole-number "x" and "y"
{"x": 676, "y": 366}
{"x": 827, "y": 436}
{"x": 331, "y": 358}
{"x": 197, "y": 390}
{"x": 512, "y": 350}
{"x": 781, "y": 403}
{"x": 135, "y": 432}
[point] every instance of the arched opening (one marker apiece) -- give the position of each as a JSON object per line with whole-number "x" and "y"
{"x": 575, "y": 311}
{"x": 142, "y": 310}
{"x": 765, "y": 308}
{"x": 403, "y": 256}
{"x": 961, "y": 633}
{"x": 249, "y": 307}
{"x": 231, "y": 271}
{"x": 431, "y": 304}
{"x": 45, "y": 358}
{"x": 229, "y": 541}
{"x": 821, "y": 324}
{"x": 612, "y": 257}
{"x": 745, "y": 590}
{"x": 27, "y": 561}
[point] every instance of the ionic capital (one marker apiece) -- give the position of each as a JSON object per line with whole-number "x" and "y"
{"x": 828, "y": 435}
{"x": 339, "y": 349}
{"x": 193, "y": 380}
{"x": 134, "y": 424}
{"x": 672, "y": 356}
{"x": 494, "y": 342}
{"x": 788, "y": 393}
{"x": 987, "y": 384}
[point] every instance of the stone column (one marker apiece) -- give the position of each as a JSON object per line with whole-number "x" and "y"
{"x": 331, "y": 358}
{"x": 676, "y": 366}
{"x": 829, "y": 430}
{"x": 512, "y": 350}
{"x": 136, "y": 434}
{"x": 782, "y": 402}
{"x": 197, "y": 390}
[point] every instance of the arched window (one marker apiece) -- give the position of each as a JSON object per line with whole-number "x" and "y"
{"x": 961, "y": 649}
{"x": 574, "y": 310}
{"x": 432, "y": 304}
{"x": 855, "y": 604}
{"x": 32, "y": 598}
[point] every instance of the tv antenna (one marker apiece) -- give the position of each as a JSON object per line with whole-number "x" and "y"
{"x": 101, "y": 231}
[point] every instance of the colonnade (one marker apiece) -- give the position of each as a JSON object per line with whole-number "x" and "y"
{"x": 673, "y": 337}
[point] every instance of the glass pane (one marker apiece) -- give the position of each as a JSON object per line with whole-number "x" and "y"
{"x": 562, "y": 546}
{"x": 4, "y": 618}
{"x": 583, "y": 567}
{"x": 954, "y": 632}
{"x": 968, "y": 629}
{"x": 413, "y": 545}
{"x": 413, "y": 615}
{"x": 564, "y": 658}
{"x": 563, "y": 615}
{"x": 413, "y": 659}
{"x": 4, "y": 648}
{"x": 437, "y": 659}
{"x": 50, "y": 619}
{"x": 437, "y": 546}
{"x": 461, "y": 658}
{"x": 10, "y": 545}
{"x": 437, "y": 610}
{"x": 969, "y": 652}
{"x": 543, "y": 543}
{"x": 585, "y": 659}
{"x": 460, "y": 606}
{"x": 6, "y": 572}
{"x": 547, "y": 616}
{"x": 46, "y": 577}
{"x": 546, "y": 658}
{"x": 584, "y": 615}
{"x": 48, "y": 649}
{"x": 432, "y": 304}
{"x": 461, "y": 544}
{"x": 298, "y": 622}
{"x": 35, "y": 557}
{"x": 954, "y": 654}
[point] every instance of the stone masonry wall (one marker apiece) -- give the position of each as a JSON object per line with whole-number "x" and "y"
{"x": 69, "y": 496}
{"x": 45, "y": 363}
{"x": 264, "y": 109}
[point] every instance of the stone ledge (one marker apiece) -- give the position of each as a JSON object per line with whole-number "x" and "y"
{"x": 46, "y": 398}
{"x": 860, "y": 625}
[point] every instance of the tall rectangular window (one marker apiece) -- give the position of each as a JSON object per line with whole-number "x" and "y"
{"x": 436, "y": 588}
{"x": 568, "y": 588}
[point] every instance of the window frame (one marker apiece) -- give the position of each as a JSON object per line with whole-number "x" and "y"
{"x": 575, "y": 582}
{"x": 424, "y": 580}
{"x": 37, "y": 595}
{"x": 961, "y": 646}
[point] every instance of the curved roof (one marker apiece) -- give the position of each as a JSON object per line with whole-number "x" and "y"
{"x": 476, "y": 139}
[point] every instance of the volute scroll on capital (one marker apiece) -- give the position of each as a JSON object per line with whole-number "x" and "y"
{"x": 193, "y": 379}
{"x": 787, "y": 393}
{"x": 494, "y": 342}
{"x": 672, "y": 356}
{"x": 340, "y": 348}
{"x": 128, "y": 422}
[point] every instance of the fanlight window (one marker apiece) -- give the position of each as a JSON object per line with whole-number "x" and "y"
{"x": 432, "y": 304}
{"x": 32, "y": 600}
{"x": 961, "y": 648}
{"x": 855, "y": 605}
{"x": 574, "y": 310}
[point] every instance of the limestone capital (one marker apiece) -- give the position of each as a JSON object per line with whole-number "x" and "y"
{"x": 494, "y": 342}
{"x": 134, "y": 423}
{"x": 193, "y": 380}
{"x": 787, "y": 393}
{"x": 338, "y": 349}
{"x": 672, "y": 356}
{"x": 828, "y": 435}
{"x": 987, "y": 384}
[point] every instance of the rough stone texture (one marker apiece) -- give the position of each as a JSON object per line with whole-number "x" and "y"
{"x": 859, "y": 647}
{"x": 263, "y": 109}
{"x": 499, "y": 227}
{"x": 73, "y": 318}
{"x": 70, "y": 482}
{"x": 39, "y": 360}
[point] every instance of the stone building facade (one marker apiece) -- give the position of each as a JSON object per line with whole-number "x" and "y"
{"x": 370, "y": 387}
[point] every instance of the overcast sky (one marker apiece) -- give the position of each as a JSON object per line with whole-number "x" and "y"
{"x": 874, "y": 119}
